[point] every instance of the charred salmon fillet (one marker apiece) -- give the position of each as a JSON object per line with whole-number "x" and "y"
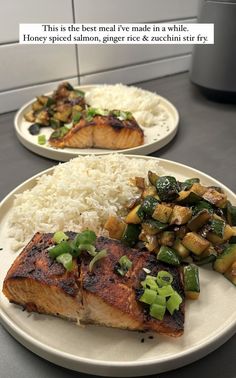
{"x": 100, "y": 131}
{"x": 101, "y": 296}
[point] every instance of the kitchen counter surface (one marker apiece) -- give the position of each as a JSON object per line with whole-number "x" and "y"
{"x": 205, "y": 140}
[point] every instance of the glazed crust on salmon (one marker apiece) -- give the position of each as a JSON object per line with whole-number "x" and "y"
{"x": 103, "y": 297}
{"x": 101, "y": 132}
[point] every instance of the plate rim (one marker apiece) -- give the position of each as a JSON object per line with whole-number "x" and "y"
{"x": 65, "y": 155}
{"x": 192, "y": 354}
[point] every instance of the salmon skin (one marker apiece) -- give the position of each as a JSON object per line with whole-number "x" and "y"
{"x": 103, "y": 297}
{"x": 106, "y": 131}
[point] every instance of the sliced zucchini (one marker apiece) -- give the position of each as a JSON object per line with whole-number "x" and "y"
{"x": 202, "y": 205}
{"x": 30, "y": 116}
{"x": 218, "y": 227}
{"x": 162, "y": 213}
{"x": 168, "y": 255}
{"x": 208, "y": 256}
{"x": 230, "y": 274}
{"x": 188, "y": 198}
{"x": 215, "y": 239}
{"x": 187, "y": 184}
{"x": 181, "y": 250}
{"x": 231, "y": 214}
{"x": 180, "y": 215}
{"x": 215, "y": 198}
{"x": 115, "y": 226}
{"x": 149, "y": 204}
{"x": 199, "y": 189}
{"x": 195, "y": 243}
{"x": 152, "y": 177}
{"x": 198, "y": 220}
{"x": 153, "y": 227}
{"x": 167, "y": 188}
{"x": 226, "y": 259}
{"x": 150, "y": 191}
{"x": 167, "y": 238}
{"x": 135, "y": 216}
{"x": 191, "y": 282}
{"x": 131, "y": 234}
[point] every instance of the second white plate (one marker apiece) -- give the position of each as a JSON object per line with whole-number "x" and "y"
{"x": 155, "y": 137}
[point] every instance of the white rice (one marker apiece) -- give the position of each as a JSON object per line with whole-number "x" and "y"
{"x": 144, "y": 105}
{"x": 79, "y": 194}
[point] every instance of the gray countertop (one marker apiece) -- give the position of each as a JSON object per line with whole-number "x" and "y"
{"x": 205, "y": 140}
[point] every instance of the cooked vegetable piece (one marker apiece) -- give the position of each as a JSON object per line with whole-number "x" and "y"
{"x": 59, "y": 236}
{"x": 115, "y": 226}
{"x": 152, "y": 227}
{"x": 34, "y": 129}
{"x": 215, "y": 239}
{"x": 199, "y": 189}
{"x": 191, "y": 281}
{"x": 226, "y": 259}
{"x": 168, "y": 255}
{"x": 188, "y": 198}
{"x": 181, "y": 250}
{"x": 135, "y": 216}
{"x": 148, "y": 296}
{"x": 153, "y": 177}
{"x": 123, "y": 265}
{"x": 195, "y": 243}
{"x": 42, "y": 117}
{"x": 157, "y": 311}
{"x": 41, "y": 139}
{"x": 202, "y": 205}
{"x": 150, "y": 191}
{"x": 231, "y": 214}
{"x": 151, "y": 242}
{"x": 164, "y": 278}
{"x": 198, "y": 220}
{"x": 29, "y": 116}
{"x": 216, "y": 198}
{"x": 162, "y": 213}
{"x": 181, "y": 231}
{"x": 166, "y": 291}
{"x": 66, "y": 260}
{"x": 59, "y": 249}
{"x": 217, "y": 227}
{"x": 230, "y": 274}
{"x": 187, "y": 184}
{"x": 150, "y": 283}
{"x": 99, "y": 255}
{"x": 180, "y": 215}
{"x": 173, "y": 303}
{"x": 149, "y": 205}
{"x": 167, "y": 238}
{"x": 131, "y": 234}
{"x": 37, "y": 106}
{"x": 167, "y": 188}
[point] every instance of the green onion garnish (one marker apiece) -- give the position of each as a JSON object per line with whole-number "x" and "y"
{"x": 173, "y": 302}
{"x": 86, "y": 237}
{"x": 77, "y": 116}
{"x": 124, "y": 264}
{"x": 150, "y": 282}
{"x": 63, "y": 247}
{"x": 157, "y": 311}
{"x": 166, "y": 291}
{"x": 41, "y": 139}
{"x": 59, "y": 236}
{"x": 89, "y": 248}
{"x": 66, "y": 260}
{"x": 149, "y": 296}
{"x": 98, "y": 256}
{"x": 160, "y": 300}
{"x": 164, "y": 278}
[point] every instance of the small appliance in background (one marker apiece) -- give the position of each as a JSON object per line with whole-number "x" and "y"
{"x": 214, "y": 66}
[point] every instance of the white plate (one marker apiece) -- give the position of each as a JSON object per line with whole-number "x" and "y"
{"x": 210, "y": 321}
{"x": 155, "y": 137}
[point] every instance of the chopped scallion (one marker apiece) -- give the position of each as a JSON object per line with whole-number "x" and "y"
{"x": 89, "y": 248}
{"x": 86, "y": 237}
{"x": 166, "y": 291}
{"x": 66, "y": 260}
{"x": 157, "y": 311}
{"x": 63, "y": 247}
{"x": 164, "y": 278}
{"x": 59, "y": 236}
{"x": 99, "y": 255}
{"x": 173, "y": 302}
{"x": 150, "y": 282}
{"x": 149, "y": 296}
{"x": 41, "y": 139}
{"x": 124, "y": 264}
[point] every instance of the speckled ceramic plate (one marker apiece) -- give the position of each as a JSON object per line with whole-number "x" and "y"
{"x": 210, "y": 321}
{"x": 155, "y": 137}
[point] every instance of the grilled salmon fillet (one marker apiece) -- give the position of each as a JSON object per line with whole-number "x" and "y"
{"x": 107, "y": 132}
{"x": 39, "y": 283}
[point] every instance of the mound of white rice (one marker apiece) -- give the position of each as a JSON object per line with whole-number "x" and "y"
{"x": 144, "y": 105}
{"x": 79, "y": 194}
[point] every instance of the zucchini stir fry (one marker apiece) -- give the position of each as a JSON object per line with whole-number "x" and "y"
{"x": 57, "y": 110}
{"x": 182, "y": 223}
